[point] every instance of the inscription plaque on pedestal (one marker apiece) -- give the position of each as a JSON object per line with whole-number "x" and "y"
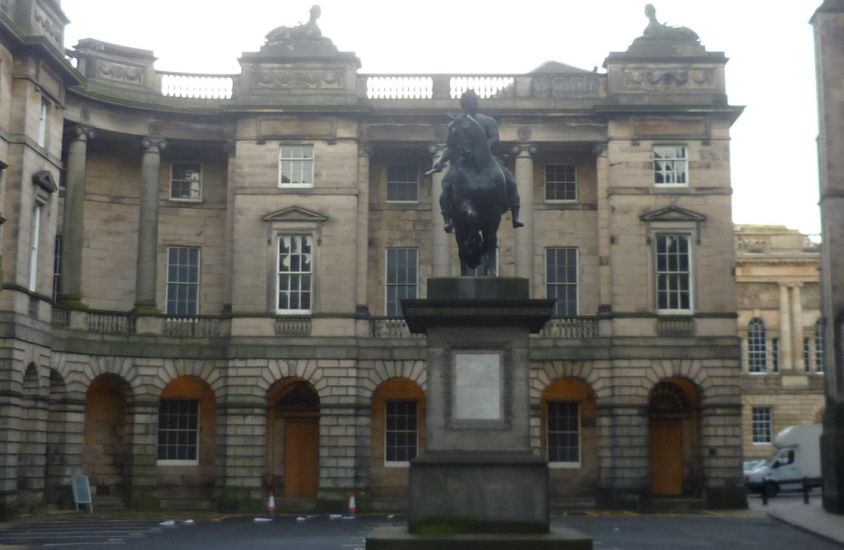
{"x": 477, "y": 386}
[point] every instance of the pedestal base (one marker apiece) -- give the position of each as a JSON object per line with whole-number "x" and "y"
{"x": 397, "y": 538}
{"x": 492, "y": 492}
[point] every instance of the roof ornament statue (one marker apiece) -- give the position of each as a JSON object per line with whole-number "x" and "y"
{"x": 303, "y": 32}
{"x": 661, "y": 31}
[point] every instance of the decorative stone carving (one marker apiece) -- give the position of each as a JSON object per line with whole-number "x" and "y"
{"x": 524, "y": 133}
{"x": 305, "y": 37}
{"x": 299, "y": 79}
{"x": 120, "y": 72}
{"x": 649, "y": 79}
{"x": 563, "y": 86}
{"x": 153, "y": 142}
{"x": 80, "y": 132}
{"x": 660, "y": 31}
{"x": 48, "y": 26}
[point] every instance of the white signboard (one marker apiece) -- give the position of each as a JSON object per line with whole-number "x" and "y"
{"x": 477, "y": 386}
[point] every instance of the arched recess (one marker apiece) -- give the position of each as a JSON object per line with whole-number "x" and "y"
{"x": 186, "y": 443}
{"x": 292, "y": 457}
{"x": 107, "y": 436}
{"x": 397, "y": 435}
{"x": 33, "y": 434}
{"x": 569, "y": 437}
{"x": 674, "y": 431}
{"x": 56, "y": 472}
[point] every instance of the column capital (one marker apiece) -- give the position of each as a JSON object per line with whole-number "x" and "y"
{"x": 599, "y": 149}
{"x": 524, "y": 149}
{"x": 153, "y": 142}
{"x": 81, "y": 132}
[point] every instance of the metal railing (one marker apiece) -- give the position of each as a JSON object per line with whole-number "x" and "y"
{"x": 194, "y": 326}
{"x": 571, "y": 328}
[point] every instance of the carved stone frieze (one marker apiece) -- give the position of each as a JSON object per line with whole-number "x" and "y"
{"x": 120, "y": 72}
{"x": 563, "y": 86}
{"x": 48, "y": 26}
{"x": 287, "y": 79}
{"x": 650, "y": 79}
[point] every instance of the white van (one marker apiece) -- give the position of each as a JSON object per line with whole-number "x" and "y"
{"x": 797, "y": 456}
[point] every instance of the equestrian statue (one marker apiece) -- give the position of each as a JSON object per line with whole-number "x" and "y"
{"x": 477, "y": 189}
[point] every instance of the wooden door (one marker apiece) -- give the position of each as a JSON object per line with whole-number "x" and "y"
{"x": 301, "y": 456}
{"x": 666, "y": 456}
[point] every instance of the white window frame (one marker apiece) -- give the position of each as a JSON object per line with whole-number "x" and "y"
{"x": 683, "y": 160}
{"x": 42, "y": 123}
{"x": 308, "y": 181}
{"x": 34, "y": 245}
{"x": 415, "y": 182}
{"x": 173, "y": 461}
{"x": 172, "y": 179}
{"x": 278, "y": 273}
{"x": 168, "y": 281}
{"x": 400, "y": 463}
{"x": 564, "y": 464}
{"x": 574, "y": 183}
{"x": 757, "y": 346}
{"x": 388, "y": 285}
{"x": 576, "y": 272}
{"x": 767, "y": 411}
{"x": 691, "y": 272}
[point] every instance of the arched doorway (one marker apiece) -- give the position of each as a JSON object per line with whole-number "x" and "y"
{"x": 569, "y": 437}
{"x": 293, "y": 439}
{"x": 673, "y": 411}
{"x": 397, "y": 436}
{"x": 106, "y": 435}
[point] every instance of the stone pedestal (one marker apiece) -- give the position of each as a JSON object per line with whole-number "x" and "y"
{"x": 477, "y": 478}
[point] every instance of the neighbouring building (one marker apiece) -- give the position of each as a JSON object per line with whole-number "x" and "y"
{"x": 828, "y": 22}
{"x": 779, "y": 322}
{"x": 202, "y": 275}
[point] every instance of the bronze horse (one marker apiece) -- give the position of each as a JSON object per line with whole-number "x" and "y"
{"x": 477, "y": 193}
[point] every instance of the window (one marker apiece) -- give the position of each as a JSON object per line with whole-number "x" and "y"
{"x": 807, "y": 355}
{"x": 775, "y": 354}
{"x": 182, "y": 280}
{"x": 178, "y": 431}
{"x": 401, "y": 431}
{"x": 402, "y": 183}
{"x": 673, "y": 273}
{"x": 757, "y": 356}
{"x": 402, "y": 275}
{"x": 560, "y": 182}
{"x": 761, "y": 425}
{"x": 294, "y": 274}
{"x": 296, "y": 166}
{"x": 42, "y": 123}
{"x": 819, "y": 359}
{"x": 563, "y": 432}
{"x": 57, "y": 269}
{"x": 561, "y": 280}
{"x": 34, "y": 237}
{"x": 671, "y": 165}
{"x": 186, "y": 181}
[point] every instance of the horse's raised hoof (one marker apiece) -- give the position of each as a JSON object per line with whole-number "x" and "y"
{"x": 448, "y": 228}
{"x": 517, "y": 223}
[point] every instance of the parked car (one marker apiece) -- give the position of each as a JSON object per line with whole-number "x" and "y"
{"x": 797, "y": 457}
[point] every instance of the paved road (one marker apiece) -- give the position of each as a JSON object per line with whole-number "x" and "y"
{"x": 621, "y": 531}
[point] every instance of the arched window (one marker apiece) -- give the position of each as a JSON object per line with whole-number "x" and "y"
{"x": 819, "y": 366}
{"x": 757, "y": 356}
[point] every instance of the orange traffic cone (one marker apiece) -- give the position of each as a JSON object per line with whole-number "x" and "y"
{"x": 353, "y": 508}
{"x": 271, "y": 503}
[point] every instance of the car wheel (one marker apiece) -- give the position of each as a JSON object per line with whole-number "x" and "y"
{"x": 770, "y": 489}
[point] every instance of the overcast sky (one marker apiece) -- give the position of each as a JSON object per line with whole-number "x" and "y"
{"x": 771, "y": 69}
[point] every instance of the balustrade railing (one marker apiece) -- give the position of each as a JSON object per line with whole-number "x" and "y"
{"x": 196, "y": 86}
{"x": 61, "y": 317}
{"x": 194, "y": 326}
{"x": 673, "y": 327}
{"x": 108, "y": 322}
{"x": 571, "y": 328}
{"x": 292, "y": 326}
{"x": 390, "y": 327}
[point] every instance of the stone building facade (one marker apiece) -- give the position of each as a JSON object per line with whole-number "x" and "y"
{"x": 779, "y": 322}
{"x": 209, "y": 306}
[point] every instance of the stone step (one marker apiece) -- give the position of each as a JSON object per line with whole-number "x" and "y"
{"x": 675, "y": 504}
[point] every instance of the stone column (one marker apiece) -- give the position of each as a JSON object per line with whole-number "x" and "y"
{"x": 74, "y": 215}
{"x": 524, "y": 236}
{"x": 362, "y": 259}
{"x": 604, "y": 270}
{"x": 786, "y": 355}
{"x": 797, "y": 329}
{"x": 441, "y": 257}
{"x": 148, "y": 225}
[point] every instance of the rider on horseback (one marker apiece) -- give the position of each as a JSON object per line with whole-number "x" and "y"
{"x": 469, "y": 104}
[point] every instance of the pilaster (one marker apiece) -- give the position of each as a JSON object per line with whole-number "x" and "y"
{"x": 441, "y": 255}
{"x": 74, "y": 216}
{"x": 524, "y": 236}
{"x": 786, "y": 353}
{"x": 145, "y": 282}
